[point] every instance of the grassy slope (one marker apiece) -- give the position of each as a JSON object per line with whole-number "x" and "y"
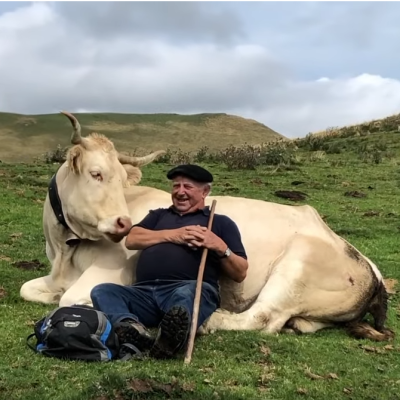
{"x": 24, "y": 137}
{"x": 226, "y": 365}
{"x": 389, "y": 123}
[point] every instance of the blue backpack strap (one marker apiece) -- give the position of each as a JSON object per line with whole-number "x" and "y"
{"x": 29, "y": 345}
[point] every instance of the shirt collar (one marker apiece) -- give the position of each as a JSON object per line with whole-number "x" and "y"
{"x": 205, "y": 210}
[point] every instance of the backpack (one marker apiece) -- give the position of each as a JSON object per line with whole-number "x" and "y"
{"x": 79, "y": 332}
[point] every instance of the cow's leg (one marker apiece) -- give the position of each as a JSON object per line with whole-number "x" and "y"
{"x": 41, "y": 290}
{"x": 314, "y": 279}
{"x": 79, "y": 292}
{"x": 301, "y": 325}
{"x": 275, "y": 305}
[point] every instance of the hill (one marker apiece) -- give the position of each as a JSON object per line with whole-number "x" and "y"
{"x": 387, "y": 124}
{"x": 25, "y": 137}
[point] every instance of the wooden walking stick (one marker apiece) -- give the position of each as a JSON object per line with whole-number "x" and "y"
{"x": 196, "y": 304}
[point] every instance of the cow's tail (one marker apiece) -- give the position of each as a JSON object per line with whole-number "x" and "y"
{"x": 377, "y": 307}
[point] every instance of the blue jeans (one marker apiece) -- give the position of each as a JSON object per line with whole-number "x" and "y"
{"x": 147, "y": 302}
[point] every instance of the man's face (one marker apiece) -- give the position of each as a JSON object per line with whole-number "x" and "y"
{"x": 187, "y": 194}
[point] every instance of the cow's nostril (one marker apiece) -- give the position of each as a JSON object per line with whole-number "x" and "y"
{"x": 121, "y": 223}
{"x": 124, "y": 223}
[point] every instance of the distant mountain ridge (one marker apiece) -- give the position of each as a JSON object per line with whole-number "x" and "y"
{"x": 24, "y": 137}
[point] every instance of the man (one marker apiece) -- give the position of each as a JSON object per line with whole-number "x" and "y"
{"x": 171, "y": 240}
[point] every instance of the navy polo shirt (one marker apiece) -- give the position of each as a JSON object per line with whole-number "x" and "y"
{"x": 180, "y": 262}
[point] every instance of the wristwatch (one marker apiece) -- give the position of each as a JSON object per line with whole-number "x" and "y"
{"x": 227, "y": 253}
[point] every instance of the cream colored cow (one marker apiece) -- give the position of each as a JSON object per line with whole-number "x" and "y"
{"x": 88, "y": 193}
{"x": 302, "y": 276}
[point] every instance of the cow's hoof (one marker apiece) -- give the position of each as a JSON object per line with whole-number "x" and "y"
{"x": 389, "y": 334}
{"x": 291, "y": 331}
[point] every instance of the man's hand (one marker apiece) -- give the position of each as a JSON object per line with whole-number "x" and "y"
{"x": 200, "y": 236}
{"x": 234, "y": 265}
{"x": 193, "y": 236}
{"x": 196, "y": 236}
{"x": 180, "y": 235}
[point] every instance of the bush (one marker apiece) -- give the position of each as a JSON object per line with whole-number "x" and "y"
{"x": 181, "y": 157}
{"x": 279, "y": 153}
{"x": 202, "y": 154}
{"x": 317, "y": 155}
{"x": 312, "y": 142}
{"x": 244, "y": 157}
{"x": 175, "y": 157}
{"x": 373, "y": 153}
{"x": 59, "y": 155}
{"x": 332, "y": 148}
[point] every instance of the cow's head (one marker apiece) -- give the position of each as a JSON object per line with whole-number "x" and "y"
{"x": 92, "y": 192}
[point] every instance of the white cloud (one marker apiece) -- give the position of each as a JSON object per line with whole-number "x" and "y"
{"x": 304, "y": 107}
{"x": 25, "y": 18}
{"x": 52, "y": 63}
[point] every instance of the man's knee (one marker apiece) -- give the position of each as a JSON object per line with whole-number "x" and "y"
{"x": 209, "y": 298}
{"x": 190, "y": 288}
{"x": 99, "y": 290}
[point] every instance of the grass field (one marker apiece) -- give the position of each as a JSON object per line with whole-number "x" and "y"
{"x": 226, "y": 365}
{"x": 25, "y": 137}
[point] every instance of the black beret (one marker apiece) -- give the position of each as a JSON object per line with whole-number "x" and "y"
{"x": 192, "y": 171}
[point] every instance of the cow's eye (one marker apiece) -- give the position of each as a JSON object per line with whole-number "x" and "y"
{"x": 96, "y": 175}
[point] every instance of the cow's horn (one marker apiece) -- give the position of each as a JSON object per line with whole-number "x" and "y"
{"x": 139, "y": 161}
{"x": 76, "y": 137}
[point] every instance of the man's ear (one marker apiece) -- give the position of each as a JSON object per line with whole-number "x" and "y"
{"x": 206, "y": 191}
{"x": 134, "y": 174}
{"x": 74, "y": 159}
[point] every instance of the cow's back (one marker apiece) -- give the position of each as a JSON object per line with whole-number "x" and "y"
{"x": 266, "y": 229}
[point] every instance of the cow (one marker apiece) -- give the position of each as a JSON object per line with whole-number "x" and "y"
{"x": 85, "y": 204}
{"x": 302, "y": 276}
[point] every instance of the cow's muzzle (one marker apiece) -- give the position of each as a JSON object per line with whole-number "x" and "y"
{"x": 115, "y": 229}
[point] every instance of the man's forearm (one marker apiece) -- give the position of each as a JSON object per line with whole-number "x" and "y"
{"x": 235, "y": 267}
{"x": 139, "y": 238}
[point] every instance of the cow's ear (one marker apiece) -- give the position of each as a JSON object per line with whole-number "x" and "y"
{"x": 134, "y": 174}
{"x": 74, "y": 159}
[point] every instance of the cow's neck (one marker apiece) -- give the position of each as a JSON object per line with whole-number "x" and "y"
{"x": 72, "y": 239}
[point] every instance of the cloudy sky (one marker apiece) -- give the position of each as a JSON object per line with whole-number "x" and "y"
{"x": 296, "y": 67}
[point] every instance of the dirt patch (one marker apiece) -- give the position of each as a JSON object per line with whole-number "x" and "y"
{"x": 293, "y": 195}
{"x": 256, "y": 181}
{"x": 3, "y": 292}
{"x": 296, "y": 183}
{"x": 26, "y": 121}
{"x": 29, "y": 265}
{"x": 15, "y": 235}
{"x": 355, "y": 193}
{"x": 135, "y": 387}
{"x": 109, "y": 126}
{"x": 371, "y": 213}
{"x": 313, "y": 376}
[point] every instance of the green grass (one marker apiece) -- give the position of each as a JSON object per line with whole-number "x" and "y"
{"x": 225, "y": 365}
{"x": 25, "y": 137}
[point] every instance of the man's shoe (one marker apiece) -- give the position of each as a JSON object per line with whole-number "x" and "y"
{"x": 134, "y": 333}
{"x": 172, "y": 333}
